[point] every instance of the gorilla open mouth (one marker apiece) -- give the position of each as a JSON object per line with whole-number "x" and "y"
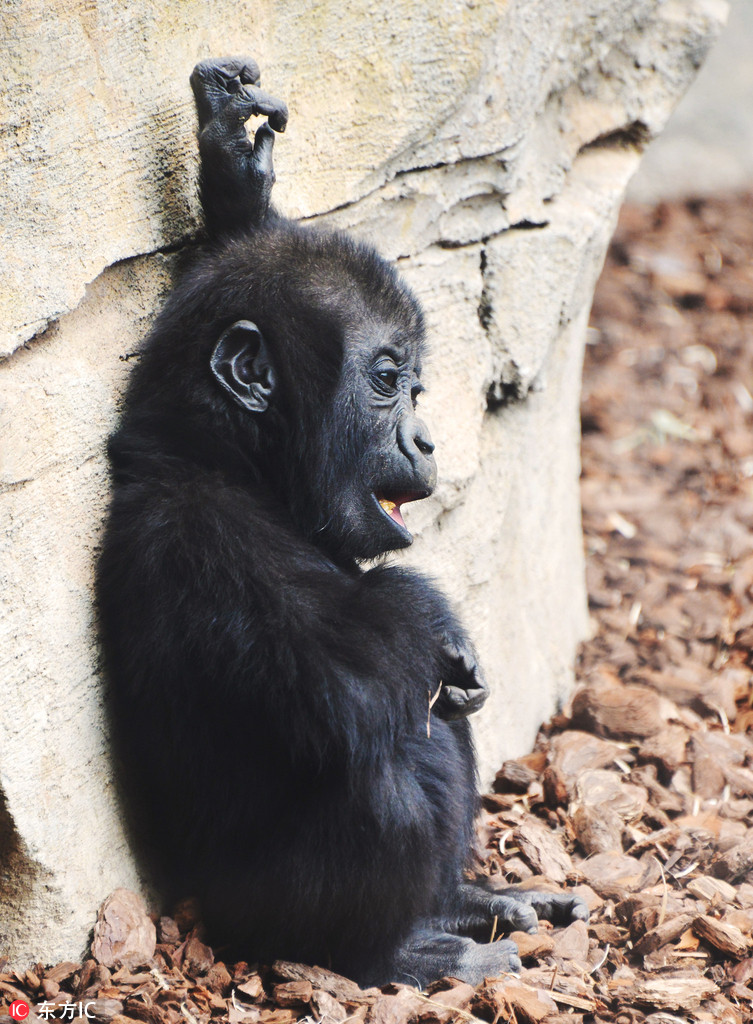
{"x": 390, "y": 504}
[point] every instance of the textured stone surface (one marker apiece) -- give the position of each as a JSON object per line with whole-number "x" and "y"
{"x": 485, "y": 146}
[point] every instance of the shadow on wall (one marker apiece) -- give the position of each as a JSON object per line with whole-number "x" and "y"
{"x": 707, "y": 145}
{"x": 18, "y": 874}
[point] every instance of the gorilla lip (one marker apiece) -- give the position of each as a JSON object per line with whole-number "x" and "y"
{"x": 390, "y": 506}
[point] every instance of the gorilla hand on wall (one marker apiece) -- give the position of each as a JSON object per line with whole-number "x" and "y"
{"x": 269, "y": 696}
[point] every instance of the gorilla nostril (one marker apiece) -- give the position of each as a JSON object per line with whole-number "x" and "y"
{"x": 422, "y": 438}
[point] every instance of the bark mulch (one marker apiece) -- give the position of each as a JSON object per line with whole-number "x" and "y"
{"x": 639, "y": 795}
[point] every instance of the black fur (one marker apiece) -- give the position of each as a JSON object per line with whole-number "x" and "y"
{"x": 270, "y": 697}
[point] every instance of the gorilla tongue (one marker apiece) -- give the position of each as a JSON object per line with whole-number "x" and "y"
{"x": 392, "y": 508}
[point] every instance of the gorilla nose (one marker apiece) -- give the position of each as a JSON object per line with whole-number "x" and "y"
{"x": 423, "y": 442}
{"x": 415, "y": 442}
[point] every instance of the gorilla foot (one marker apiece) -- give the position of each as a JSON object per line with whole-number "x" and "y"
{"x": 519, "y": 909}
{"x": 429, "y": 955}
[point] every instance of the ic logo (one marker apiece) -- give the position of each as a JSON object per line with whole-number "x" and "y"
{"x": 18, "y": 1009}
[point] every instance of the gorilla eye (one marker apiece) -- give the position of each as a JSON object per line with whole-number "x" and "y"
{"x": 385, "y": 379}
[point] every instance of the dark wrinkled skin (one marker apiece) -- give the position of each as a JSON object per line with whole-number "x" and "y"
{"x": 269, "y": 695}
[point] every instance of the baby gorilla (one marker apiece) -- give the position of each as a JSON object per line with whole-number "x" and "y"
{"x": 270, "y": 697}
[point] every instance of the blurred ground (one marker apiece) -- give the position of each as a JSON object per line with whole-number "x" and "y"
{"x": 640, "y": 795}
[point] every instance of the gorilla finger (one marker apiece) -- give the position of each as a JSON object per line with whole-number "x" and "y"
{"x": 227, "y": 68}
{"x": 477, "y": 698}
{"x": 559, "y": 907}
{"x": 512, "y": 962}
{"x": 457, "y": 697}
{"x": 275, "y": 110}
{"x": 488, "y": 960}
{"x": 249, "y": 73}
{"x": 264, "y": 141}
{"x": 578, "y": 909}
{"x": 514, "y": 915}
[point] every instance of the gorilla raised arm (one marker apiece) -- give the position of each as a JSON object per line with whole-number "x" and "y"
{"x": 269, "y": 696}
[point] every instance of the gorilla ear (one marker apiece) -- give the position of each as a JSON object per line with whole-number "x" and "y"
{"x": 241, "y": 364}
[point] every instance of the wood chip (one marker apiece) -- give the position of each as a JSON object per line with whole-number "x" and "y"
{"x": 543, "y": 851}
{"x": 529, "y": 1005}
{"x": 396, "y": 1007}
{"x": 327, "y": 1009}
{"x": 672, "y": 992}
{"x": 252, "y": 988}
{"x": 721, "y": 935}
{"x": 123, "y": 934}
{"x": 707, "y": 888}
{"x": 197, "y": 957}
{"x": 619, "y": 711}
{"x": 597, "y": 829}
{"x": 735, "y": 864}
{"x": 294, "y": 993}
{"x": 571, "y": 943}
{"x": 664, "y": 933}
{"x": 538, "y": 945}
{"x": 61, "y": 972}
{"x": 337, "y": 986}
{"x": 514, "y": 777}
{"x": 611, "y": 874}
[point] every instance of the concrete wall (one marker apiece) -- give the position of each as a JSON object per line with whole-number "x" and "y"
{"x": 484, "y": 145}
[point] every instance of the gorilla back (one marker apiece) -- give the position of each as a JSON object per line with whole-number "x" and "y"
{"x": 270, "y": 698}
